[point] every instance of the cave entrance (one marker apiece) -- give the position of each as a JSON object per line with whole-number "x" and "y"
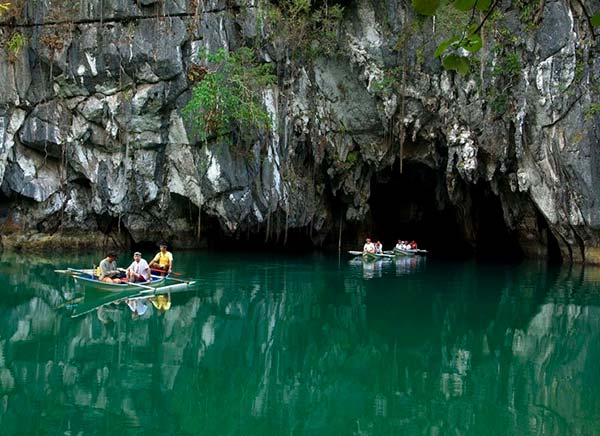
{"x": 415, "y": 206}
{"x": 412, "y": 206}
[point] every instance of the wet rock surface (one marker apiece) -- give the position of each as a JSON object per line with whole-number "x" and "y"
{"x": 92, "y": 131}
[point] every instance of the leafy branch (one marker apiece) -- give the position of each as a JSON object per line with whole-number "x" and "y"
{"x": 456, "y": 51}
{"x": 227, "y": 98}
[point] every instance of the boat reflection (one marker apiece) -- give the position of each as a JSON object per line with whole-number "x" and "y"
{"x": 409, "y": 264}
{"x": 402, "y": 265}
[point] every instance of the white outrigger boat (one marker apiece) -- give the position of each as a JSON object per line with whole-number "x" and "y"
{"x": 87, "y": 279}
{"x": 408, "y": 252}
{"x": 370, "y": 257}
{"x": 100, "y": 293}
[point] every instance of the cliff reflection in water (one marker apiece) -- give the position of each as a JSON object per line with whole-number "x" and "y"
{"x": 307, "y": 346}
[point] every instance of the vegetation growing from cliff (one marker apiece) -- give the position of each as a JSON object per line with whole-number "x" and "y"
{"x": 228, "y": 97}
{"x": 14, "y": 45}
{"x": 458, "y": 51}
{"x": 307, "y": 27}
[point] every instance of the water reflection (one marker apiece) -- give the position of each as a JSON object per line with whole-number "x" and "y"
{"x": 400, "y": 265}
{"x": 305, "y": 346}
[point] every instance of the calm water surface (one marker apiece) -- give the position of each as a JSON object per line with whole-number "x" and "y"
{"x": 304, "y": 345}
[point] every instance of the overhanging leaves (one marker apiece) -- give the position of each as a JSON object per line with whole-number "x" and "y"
{"x": 483, "y": 5}
{"x": 464, "y": 5}
{"x": 456, "y": 62}
{"x": 426, "y": 7}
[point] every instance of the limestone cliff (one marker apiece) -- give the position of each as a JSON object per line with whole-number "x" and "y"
{"x": 93, "y": 140}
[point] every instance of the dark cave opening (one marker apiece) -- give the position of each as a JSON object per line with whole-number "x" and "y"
{"x": 415, "y": 206}
{"x": 493, "y": 239}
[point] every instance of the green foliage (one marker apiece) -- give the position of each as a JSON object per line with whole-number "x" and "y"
{"x": 592, "y": 111}
{"x": 464, "y": 41}
{"x": 15, "y": 44}
{"x": 307, "y": 28}
{"x": 4, "y": 7}
{"x": 595, "y": 19}
{"x": 352, "y": 157}
{"x": 455, "y": 62}
{"x": 509, "y": 65}
{"x": 227, "y": 98}
{"x": 426, "y": 7}
{"x": 527, "y": 11}
{"x": 498, "y": 101}
{"x": 389, "y": 82}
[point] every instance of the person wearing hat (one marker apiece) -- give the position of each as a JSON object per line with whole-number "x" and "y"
{"x": 138, "y": 271}
{"x": 108, "y": 269}
{"x": 163, "y": 259}
{"x": 369, "y": 247}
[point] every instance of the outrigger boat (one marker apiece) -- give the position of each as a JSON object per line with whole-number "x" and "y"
{"x": 370, "y": 257}
{"x": 89, "y": 280}
{"x": 99, "y": 293}
{"x": 410, "y": 252}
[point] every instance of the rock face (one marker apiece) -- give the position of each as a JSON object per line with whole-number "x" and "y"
{"x": 92, "y": 135}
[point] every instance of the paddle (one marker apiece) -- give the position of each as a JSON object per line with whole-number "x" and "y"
{"x": 163, "y": 271}
{"x": 189, "y": 282}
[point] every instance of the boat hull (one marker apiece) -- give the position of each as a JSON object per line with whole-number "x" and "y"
{"x": 398, "y": 252}
{"x": 88, "y": 281}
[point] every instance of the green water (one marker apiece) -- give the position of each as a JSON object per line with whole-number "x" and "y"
{"x": 305, "y": 345}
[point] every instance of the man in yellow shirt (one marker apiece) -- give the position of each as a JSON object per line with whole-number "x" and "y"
{"x": 163, "y": 259}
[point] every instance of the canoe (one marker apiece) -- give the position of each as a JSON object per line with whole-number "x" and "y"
{"x": 86, "y": 279}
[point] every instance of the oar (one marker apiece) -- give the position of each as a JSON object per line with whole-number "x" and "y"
{"x": 189, "y": 282}
{"x": 163, "y": 271}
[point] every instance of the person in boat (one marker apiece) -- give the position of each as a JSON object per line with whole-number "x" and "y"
{"x": 163, "y": 259}
{"x": 369, "y": 247}
{"x": 139, "y": 270}
{"x": 413, "y": 245}
{"x": 399, "y": 245}
{"x": 108, "y": 269}
{"x": 162, "y": 302}
{"x": 378, "y": 247}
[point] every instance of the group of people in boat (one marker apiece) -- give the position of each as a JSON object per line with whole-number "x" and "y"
{"x": 406, "y": 245}
{"x": 139, "y": 270}
{"x": 372, "y": 247}
{"x": 377, "y": 247}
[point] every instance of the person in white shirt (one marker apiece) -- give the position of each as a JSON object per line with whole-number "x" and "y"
{"x": 378, "y": 247}
{"x": 138, "y": 271}
{"x": 369, "y": 247}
